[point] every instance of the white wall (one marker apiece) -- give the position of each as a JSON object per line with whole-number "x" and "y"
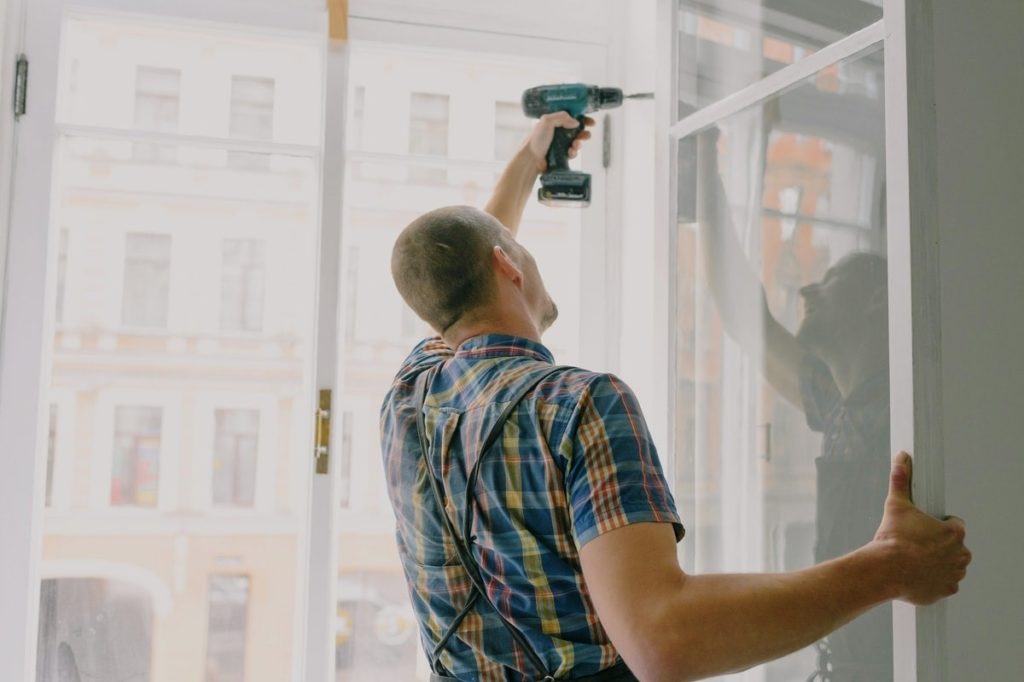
{"x": 979, "y": 88}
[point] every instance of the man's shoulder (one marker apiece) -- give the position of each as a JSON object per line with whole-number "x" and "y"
{"x": 575, "y": 386}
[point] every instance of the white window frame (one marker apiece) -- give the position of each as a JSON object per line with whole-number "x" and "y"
{"x": 26, "y": 333}
{"x": 918, "y": 633}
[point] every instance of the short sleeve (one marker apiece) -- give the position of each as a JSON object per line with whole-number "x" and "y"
{"x": 818, "y": 390}
{"x": 614, "y": 478}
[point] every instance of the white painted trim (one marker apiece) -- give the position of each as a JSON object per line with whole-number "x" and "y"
{"x": 919, "y": 634}
{"x": 368, "y": 31}
{"x": 200, "y": 141}
{"x": 426, "y": 161}
{"x": 12, "y": 19}
{"x": 665, "y": 271}
{"x": 779, "y": 81}
{"x": 574, "y": 22}
{"x": 317, "y": 585}
{"x": 237, "y": 14}
{"x": 24, "y": 344}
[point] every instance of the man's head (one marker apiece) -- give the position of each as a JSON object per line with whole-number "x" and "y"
{"x": 847, "y": 311}
{"x": 458, "y": 266}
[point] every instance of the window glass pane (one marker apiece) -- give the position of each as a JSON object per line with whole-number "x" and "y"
{"x": 345, "y": 459}
{"x": 376, "y": 636}
{"x": 428, "y": 135}
{"x": 726, "y": 46}
{"x": 147, "y": 268}
{"x": 235, "y": 451}
{"x": 136, "y": 469}
{"x": 62, "y": 274}
{"x": 242, "y": 283}
{"x": 183, "y": 366}
{"x": 510, "y": 129}
{"x": 252, "y": 117}
{"x": 157, "y": 109}
{"x": 782, "y": 395}
{"x": 225, "y": 641}
{"x": 51, "y": 452}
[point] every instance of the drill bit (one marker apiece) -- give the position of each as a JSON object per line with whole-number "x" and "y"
{"x": 640, "y": 95}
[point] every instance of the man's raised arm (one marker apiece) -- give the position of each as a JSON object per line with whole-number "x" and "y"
{"x": 515, "y": 186}
{"x": 671, "y": 626}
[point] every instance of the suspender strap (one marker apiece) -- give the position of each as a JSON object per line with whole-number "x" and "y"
{"x": 461, "y": 541}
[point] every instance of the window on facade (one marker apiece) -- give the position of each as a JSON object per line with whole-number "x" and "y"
{"x": 242, "y": 285}
{"x": 351, "y": 292}
{"x": 136, "y": 470}
{"x": 157, "y": 109}
{"x": 62, "y": 273}
{"x": 428, "y": 135}
{"x": 226, "y": 628}
{"x": 235, "y": 455}
{"x": 510, "y": 129}
{"x": 355, "y": 138}
{"x": 252, "y": 118}
{"x": 147, "y": 280}
{"x": 51, "y": 453}
{"x": 93, "y": 629}
{"x": 345, "y": 460}
{"x": 412, "y": 326}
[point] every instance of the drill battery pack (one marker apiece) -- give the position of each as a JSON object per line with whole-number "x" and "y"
{"x": 566, "y": 187}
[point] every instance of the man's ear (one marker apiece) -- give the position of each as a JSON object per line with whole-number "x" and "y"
{"x": 507, "y": 267}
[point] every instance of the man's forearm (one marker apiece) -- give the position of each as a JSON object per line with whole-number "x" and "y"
{"x": 724, "y": 623}
{"x": 514, "y": 189}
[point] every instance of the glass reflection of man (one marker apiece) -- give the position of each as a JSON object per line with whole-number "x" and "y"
{"x": 835, "y": 369}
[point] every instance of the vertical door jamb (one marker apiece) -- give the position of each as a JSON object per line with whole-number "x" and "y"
{"x": 919, "y": 634}
{"x": 25, "y": 340}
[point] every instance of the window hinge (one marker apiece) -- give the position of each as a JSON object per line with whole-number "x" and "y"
{"x": 322, "y": 444}
{"x": 20, "y": 86}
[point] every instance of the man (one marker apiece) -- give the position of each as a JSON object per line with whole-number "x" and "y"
{"x": 551, "y": 554}
{"x": 836, "y": 370}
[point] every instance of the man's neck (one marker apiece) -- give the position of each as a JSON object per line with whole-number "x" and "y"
{"x": 458, "y": 334}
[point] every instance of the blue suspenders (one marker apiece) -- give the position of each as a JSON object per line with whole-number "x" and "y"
{"x": 462, "y": 540}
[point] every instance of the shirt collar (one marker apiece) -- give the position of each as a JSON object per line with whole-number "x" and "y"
{"x": 503, "y": 345}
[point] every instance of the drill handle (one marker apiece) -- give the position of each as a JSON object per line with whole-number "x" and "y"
{"x": 558, "y": 152}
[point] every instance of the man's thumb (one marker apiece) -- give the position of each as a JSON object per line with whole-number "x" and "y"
{"x": 900, "y": 476}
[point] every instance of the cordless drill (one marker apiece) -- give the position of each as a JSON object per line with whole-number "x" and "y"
{"x": 561, "y": 186}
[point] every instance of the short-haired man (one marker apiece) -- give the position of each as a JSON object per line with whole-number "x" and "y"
{"x": 534, "y": 523}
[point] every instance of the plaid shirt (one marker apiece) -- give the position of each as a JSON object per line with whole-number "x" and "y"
{"x": 575, "y": 461}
